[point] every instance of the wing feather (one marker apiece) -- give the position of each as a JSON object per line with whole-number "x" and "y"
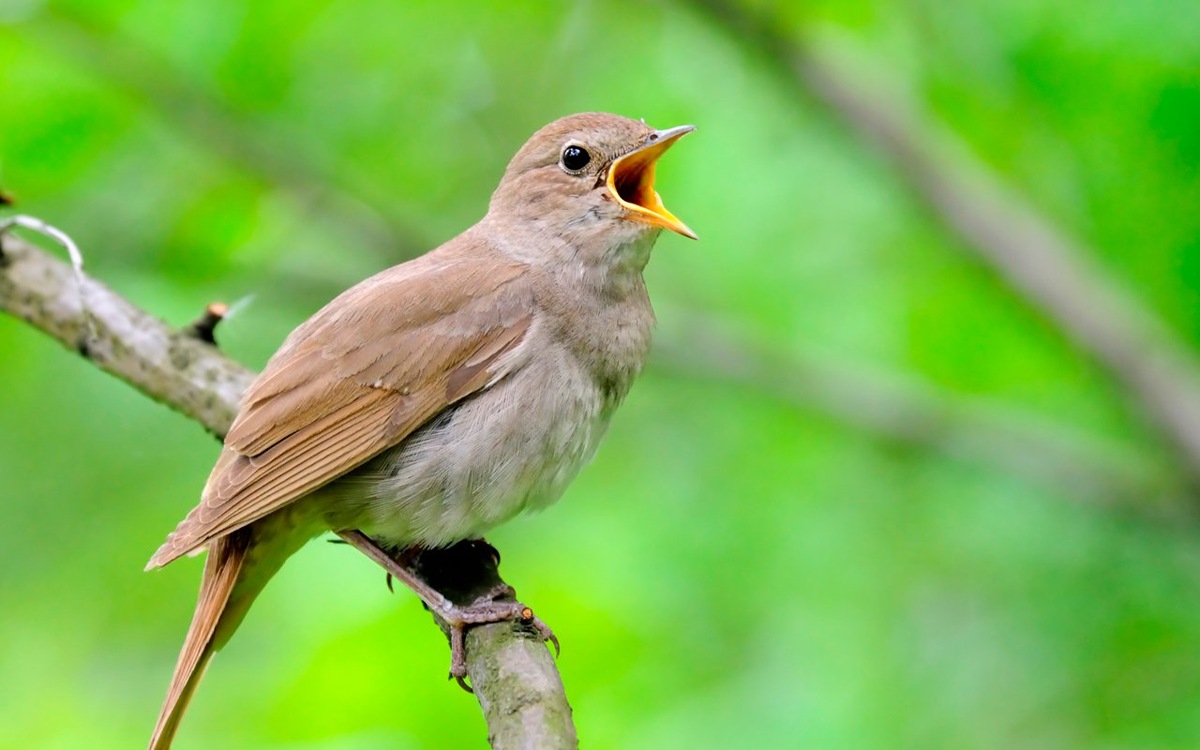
{"x": 330, "y": 399}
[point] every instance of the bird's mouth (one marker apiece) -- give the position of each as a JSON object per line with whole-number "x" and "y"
{"x": 631, "y": 181}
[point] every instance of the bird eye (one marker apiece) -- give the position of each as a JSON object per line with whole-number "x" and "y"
{"x": 575, "y": 158}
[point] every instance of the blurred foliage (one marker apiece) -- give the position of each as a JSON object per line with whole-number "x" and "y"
{"x": 736, "y": 569}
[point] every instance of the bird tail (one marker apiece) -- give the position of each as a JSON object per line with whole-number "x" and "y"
{"x": 218, "y": 613}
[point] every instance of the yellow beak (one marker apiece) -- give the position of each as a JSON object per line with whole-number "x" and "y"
{"x": 631, "y": 181}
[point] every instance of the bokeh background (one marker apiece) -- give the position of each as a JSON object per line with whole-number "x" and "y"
{"x": 887, "y": 482}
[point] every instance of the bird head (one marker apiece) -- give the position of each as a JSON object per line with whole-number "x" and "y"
{"x": 590, "y": 176}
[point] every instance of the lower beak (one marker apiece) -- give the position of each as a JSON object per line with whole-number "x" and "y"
{"x": 631, "y": 181}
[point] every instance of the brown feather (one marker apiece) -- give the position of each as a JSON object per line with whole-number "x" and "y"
{"x": 324, "y": 405}
{"x": 221, "y": 571}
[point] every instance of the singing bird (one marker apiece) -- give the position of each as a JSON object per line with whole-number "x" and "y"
{"x": 442, "y": 396}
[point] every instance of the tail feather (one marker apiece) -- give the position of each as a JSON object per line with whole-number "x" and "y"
{"x": 222, "y": 570}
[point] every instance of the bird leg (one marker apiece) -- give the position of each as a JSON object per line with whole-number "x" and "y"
{"x": 480, "y": 597}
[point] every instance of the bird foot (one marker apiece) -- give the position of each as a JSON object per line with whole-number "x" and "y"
{"x": 483, "y": 611}
{"x": 496, "y": 603}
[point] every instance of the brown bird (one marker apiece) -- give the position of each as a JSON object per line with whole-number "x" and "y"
{"x": 442, "y": 396}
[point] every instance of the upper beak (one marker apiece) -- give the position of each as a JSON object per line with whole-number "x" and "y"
{"x": 631, "y": 181}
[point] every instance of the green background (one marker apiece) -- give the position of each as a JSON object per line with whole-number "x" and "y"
{"x": 754, "y": 559}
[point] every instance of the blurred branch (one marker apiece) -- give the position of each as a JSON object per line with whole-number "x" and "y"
{"x": 514, "y": 677}
{"x": 353, "y": 208}
{"x": 900, "y": 410}
{"x": 1040, "y": 261}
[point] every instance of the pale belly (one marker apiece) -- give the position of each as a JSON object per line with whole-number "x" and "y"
{"x": 513, "y": 447}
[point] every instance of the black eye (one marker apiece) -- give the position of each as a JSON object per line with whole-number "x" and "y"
{"x": 575, "y": 158}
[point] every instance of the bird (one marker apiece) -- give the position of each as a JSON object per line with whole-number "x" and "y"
{"x": 443, "y": 396}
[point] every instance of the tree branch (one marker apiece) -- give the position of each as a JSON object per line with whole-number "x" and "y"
{"x": 1050, "y": 269}
{"x": 513, "y": 674}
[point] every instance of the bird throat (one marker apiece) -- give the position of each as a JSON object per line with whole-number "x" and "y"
{"x": 621, "y": 272}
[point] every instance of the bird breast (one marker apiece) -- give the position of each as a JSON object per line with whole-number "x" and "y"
{"x": 512, "y": 447}
{"x": 518, "y": 443}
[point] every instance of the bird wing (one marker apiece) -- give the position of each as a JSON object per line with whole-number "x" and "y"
{"x": 332, "y": 398}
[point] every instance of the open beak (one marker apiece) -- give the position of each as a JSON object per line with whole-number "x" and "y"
{"x": 631, "y": 181}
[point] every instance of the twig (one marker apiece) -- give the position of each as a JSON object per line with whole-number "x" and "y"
{"x": 205, "y": 327}
{"x": 514, "y": 677}
{"x": 1050, "y": 269}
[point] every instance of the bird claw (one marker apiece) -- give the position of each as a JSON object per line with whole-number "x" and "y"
{"x": 459, "y": 619}
{"x": 496, "y": 604}
{"x": 542, "y": 629}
